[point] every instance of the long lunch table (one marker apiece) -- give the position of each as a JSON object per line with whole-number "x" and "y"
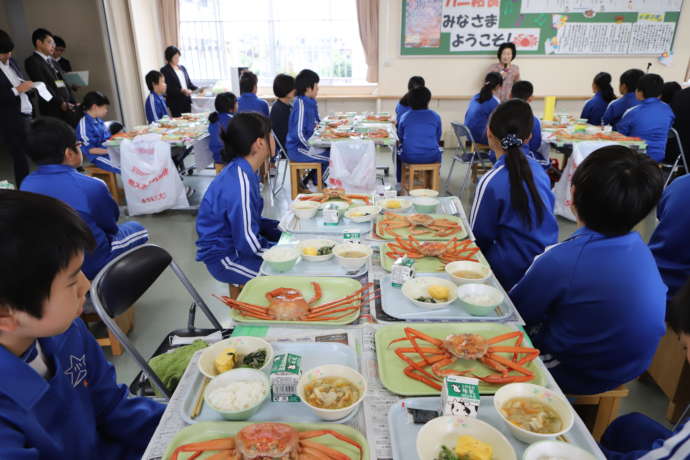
{"x": 372, "y": 420}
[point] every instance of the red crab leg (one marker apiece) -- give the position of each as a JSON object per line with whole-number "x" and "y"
{"x": 502, "y": 337}
{"x": 246, "y": 306}
{"x": 213, "y": 444}
{"x": 315, "y": 434}
{"x": 401, "y": 353}
{"x": 340, "y": 301}
{"x": 420, "y": 335}
{"x": 411, "y": 373}
{"x": 317, "y": 292}
{"x": 319, "y": 451}
{"x": 500, "y": 379}
{"x": 351, "y": 308}
{"x": 508, "y": 363}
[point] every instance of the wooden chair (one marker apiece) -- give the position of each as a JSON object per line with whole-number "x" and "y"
{"x": 607, "y": 405}
{"x": 431, "y": 176}
{"x": 109, "y": 178}
{"x": 296, "y": 170}
{"x": 125, "y": 321}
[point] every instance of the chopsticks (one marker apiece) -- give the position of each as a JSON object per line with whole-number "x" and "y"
{"x": 200, "y": 398}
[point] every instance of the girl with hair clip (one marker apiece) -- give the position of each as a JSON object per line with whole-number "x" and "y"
{"x": 481, "y": 106}
{"x": 403, "y": 106}
{"x": 226, "y": 106}
{"x": 512, "y": 214}
{"x": 594, "y": 109}
{"x": 92, "y": 132}
{"x": 232, "y": 233}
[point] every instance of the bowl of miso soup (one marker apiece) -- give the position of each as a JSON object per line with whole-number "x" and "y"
{"x": 466, "y": 271}
{"x": 533, "y": 412}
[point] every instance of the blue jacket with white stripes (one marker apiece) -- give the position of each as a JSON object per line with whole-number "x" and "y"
{"x": 215, "y": 143}
{"x": 507, "y": 242}
{"x": 92, "y": 133}
{"x": 617, "y": 107}
{"x": 232, "y": 233}
{"x": 89, "y": 197}
{"x": 674, "y": 447}
{"x": 250, "y": 102}
{"x": 419, "y": 132}
{"x": 651, "y": 120}
{"x": 669, "y": 242}
{"x": 595, "y": 306}
{"x": 477, "y": 117}
{"x": 155, "y": 107}
{"x": 303, "y": 120}
{"x": 594, "y": 109}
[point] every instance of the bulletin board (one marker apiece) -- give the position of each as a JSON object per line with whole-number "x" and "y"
{"x": 539, "y": 27}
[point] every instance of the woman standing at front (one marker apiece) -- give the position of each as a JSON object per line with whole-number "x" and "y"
{"x": 180, "y": 87}
{"x": 510, "y": 72}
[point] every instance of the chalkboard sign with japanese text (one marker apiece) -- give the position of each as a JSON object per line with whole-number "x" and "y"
{"x": 539, "y": 27}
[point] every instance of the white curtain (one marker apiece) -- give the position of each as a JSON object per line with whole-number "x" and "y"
{"x": 170, "y": 21}
{"x": 368, "y": 18}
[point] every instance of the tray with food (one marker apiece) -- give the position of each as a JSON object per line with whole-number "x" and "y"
{"x": 324, "y": 301}
{"x": 445, "y": 297}
{"x": 314, "y": 257}
{"x": 427, "y": 227}
{"x": 419, "y": 432}
{"x": 454, "y": 349}
{"x": 430, "y": 256}
{"x": 307, "y": 382}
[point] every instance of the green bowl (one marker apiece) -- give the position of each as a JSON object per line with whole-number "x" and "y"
{"x": 425, "y": 204}
{"x": 282, "y": 258}
{"x": 241, "y": 374}
{"x": 495, "y": 297}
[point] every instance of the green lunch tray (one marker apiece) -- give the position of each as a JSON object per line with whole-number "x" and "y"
{"x": 206, "y": 431}
{"x": 404, "y": 232}
{"x": 391, "y": 367}
{"x": 425, "y": 264}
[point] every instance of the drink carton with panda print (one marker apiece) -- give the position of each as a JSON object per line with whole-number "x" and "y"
{"x": 460, "y": 396}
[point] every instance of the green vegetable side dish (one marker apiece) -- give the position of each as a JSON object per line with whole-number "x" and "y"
{"x": 425, "y": 299}
{"x": 325, "y": 250}
{"x": 448, "y": 454}
{"x": 254, "y": 360}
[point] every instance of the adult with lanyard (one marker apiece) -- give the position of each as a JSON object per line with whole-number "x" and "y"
{"x": 16, "y": 107}
{"x": 509, "y": 72}
{"x": 180, "y": 87}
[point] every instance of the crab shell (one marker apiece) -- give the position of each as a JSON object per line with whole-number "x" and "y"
{"x": 267, "y": 440}
{"x": 466, "y": 346}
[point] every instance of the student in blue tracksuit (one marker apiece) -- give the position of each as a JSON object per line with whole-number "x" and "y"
{"x": 155, "y": 106}
{"x": 403, "y": 106}
{"x": 595, "y": 108}
{"x": 232, "y": 233}
{"x": 92, "y": 132}
{"x": 226, "y": 106}
{"x": 617, "y": 107}
{"x": 419, "y": 131}
{"x": 481, "y": 106}
{"x": 651, "y": 119}
{"x": 53, "y": 147}
{"x": 248, "y": 101}
{"x": 524, "y": 90}
{"x": 669, "y": 242}
{"x": 303, "y": 120}
{"x": 635, "y": 436}
{"x": 512, "y": 214}
{"x": 595, "y": 303}
{"x": 59, "y": 397}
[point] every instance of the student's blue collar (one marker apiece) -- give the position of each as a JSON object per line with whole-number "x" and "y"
{"x": 586, "y": 231}
{"x": 250, "y": 95}
{"x": 55, "y": 169}
{"x": 244, "y": 166}
{"x": 650, "y": 100}
{"x": 500, "y": 161}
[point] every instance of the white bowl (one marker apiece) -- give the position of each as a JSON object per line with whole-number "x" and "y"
{"x": 332, "y": 370}
{"x": 370, "y": 211}
{"x": 556, "y": 449}
{"x": 424, "y": 192}
{"x": 468, "y": 265}
{"x": 418, "y": 287}
{"x": 528, "y": 390}
{"x": 495, "y": 297}
{"x": 315, "y": 243}
{"x": 243, "y": 345}
{"x": 425, "y": 204}
{"x": 404, "y": 204}
{"x": 234, "y": 376}
{"x": 444, "y": 431}
{"x": 352, "y": 263}
{"x": 341, "y": 205}
{"x": 281, "y": 258}
{"x": 305, "y": 209}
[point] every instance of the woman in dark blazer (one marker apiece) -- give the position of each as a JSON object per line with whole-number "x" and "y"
{"x": 178, "y": 94}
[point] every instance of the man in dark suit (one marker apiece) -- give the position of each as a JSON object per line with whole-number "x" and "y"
{"x": 15, "y": 108}
{"x": 62, "y": 61}
{"x": 42, "y": 67}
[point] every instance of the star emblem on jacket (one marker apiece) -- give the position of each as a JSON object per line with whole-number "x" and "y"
{"x": 77, "y": 369}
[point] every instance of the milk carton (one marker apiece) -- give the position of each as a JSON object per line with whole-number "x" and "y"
{"x": 460, "y": 396}
{"x": 285, "y": 374}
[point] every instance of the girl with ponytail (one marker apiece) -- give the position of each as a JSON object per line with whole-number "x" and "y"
{"x": 482, "y": 105}
{"x": 595, "y": 108}
{"x": 512, "y": 214}
{"x": 226, "y": 106}
{"x": 232, "y": 232}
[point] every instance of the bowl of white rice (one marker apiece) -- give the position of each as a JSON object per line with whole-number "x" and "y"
{"x": 237, "y": 394}
{"x": 479, "y": 299}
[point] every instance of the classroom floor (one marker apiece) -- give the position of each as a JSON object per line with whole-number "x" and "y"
{"x": 164, "y": 307}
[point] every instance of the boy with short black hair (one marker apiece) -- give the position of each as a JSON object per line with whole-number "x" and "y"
{"x": 58, "y": 396}
{"x": 595, "y": 303}
{"x": 58, "y": 52}
{"x": 636, "y": 436}
{"x": 651, "y": 119}
{"x": 248, "y": 101}
{"x": 284, "y": 90}
{"x": 53, "y": 146}
{"x": 419, "y": 131}
{"x": 155, "y": 105}
{"x": 524, "y": 90}
{"x": 617, "y": 107}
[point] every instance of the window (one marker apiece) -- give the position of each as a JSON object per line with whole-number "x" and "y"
{"x": 270, "y": 37}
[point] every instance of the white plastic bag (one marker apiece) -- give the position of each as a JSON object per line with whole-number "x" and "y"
{"x": 564, "y": 198}
{"x": 149, "y": 176}
{"x": 353, "y": 166}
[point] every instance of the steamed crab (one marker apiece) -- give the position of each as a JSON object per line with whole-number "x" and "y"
{"x": 446, "y": 251}
{"x": 418, "y": 224}
{"x": 334, "y": 193}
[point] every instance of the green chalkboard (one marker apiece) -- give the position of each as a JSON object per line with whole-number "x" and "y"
{"x": 477, "y": 27}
